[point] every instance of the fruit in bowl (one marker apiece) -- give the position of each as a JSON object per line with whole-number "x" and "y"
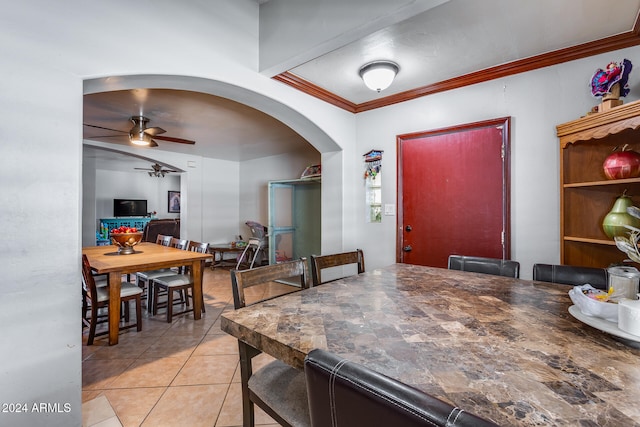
{"x": 125, "y": 238}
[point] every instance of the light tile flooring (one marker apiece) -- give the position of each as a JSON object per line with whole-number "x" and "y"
{"x": 181, "y": 374}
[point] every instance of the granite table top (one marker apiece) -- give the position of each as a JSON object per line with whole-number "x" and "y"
{"x": 504, "y": 349}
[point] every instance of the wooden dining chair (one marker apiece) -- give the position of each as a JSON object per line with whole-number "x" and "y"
{"x": 277, "y": 388}
{"x": 177, "y": 282}
{"x": 495, "y": 266}
{"x": 144, "y": 278}
{"x": 344, "y": 393}
{"x": 97, "y": 298}
{"x": 321, "y": 262}
{"x": 571, "y": 275}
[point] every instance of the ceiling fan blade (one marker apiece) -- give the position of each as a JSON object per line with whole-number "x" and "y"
{"x": 154, "y": 131}
{"x": 106, "y": 136}
{"x": 172, "y": 139}
{"x": 153, "y": 143}
{"x": 144, "y": 169}
{"x": 100, "y": 127}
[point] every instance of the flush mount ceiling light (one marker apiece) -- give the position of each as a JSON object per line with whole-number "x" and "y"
{"x": 378, "y": 75}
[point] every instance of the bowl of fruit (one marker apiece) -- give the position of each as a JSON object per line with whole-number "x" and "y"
{"x": 125, "y": 238}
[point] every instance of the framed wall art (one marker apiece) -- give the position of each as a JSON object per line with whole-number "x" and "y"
{"x": 174, "y": 202}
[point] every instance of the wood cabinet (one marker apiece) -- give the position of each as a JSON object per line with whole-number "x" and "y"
{"x": 586, "y": 195}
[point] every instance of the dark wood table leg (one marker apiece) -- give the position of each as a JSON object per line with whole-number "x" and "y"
{"x": 115, "y": 283}
{"x": 196, "y": 275}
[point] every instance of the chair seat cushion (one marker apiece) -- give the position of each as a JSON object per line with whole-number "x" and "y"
{"x": 284, "y": 389}
{"x": 127, "y": 289}
{"x": 173, "y": 280}
{"x": 152, "y": 274}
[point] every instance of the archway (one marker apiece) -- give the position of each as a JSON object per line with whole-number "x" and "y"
{"x": 331, "y": 207}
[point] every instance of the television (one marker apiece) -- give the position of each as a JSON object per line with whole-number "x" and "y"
{"x": 129, "y": 207}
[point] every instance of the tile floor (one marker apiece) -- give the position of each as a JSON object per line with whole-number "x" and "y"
{"x": 181, "y": 374}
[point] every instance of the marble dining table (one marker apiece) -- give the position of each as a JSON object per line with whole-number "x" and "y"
{"x": 505, "y": 349}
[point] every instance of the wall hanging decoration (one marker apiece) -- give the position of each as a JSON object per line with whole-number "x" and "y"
{"x": 611, "y": 84}
{"x": 174, "y": 202}
{"x": 373, "y": 163}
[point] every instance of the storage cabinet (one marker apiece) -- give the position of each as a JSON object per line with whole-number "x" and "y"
{"x": 294, "y": 219}
{"x": 586, "y": 195}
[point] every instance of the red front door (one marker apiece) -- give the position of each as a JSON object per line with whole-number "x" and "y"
{"x": 453, "y": 193}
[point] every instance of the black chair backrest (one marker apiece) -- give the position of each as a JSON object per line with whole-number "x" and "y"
{"x": 344, "y": 393}
{"x": 571, "y": 275}
{"x": 240, "y": 280}
{"x": 495, "y": 266}
{"x": 320, "y": 262}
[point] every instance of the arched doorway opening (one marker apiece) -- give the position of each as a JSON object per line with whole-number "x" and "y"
{"x": 192, "y": 182}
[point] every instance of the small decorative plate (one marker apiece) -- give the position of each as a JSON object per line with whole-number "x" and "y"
{"x": 604, "y": 326}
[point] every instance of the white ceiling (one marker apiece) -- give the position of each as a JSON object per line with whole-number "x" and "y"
{"x": 453, "y": 39}
{"x": 463, "y": 36}
{"x": 222, "y": 129}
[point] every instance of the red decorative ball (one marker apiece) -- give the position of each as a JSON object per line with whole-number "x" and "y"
{"x": 622, "y": 164}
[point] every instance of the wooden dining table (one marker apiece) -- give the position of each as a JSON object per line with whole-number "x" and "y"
{"x": 505, "y": 349}
{"x": 147, "y": 256}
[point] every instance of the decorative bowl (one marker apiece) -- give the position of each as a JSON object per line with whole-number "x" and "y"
{"x": 125, "y": 241}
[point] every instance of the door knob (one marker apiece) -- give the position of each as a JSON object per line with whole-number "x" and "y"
{"x": 408, "y": 228}
{"x": 407, "y": 248}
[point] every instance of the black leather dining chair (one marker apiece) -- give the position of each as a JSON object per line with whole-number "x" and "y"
{"x": 571, "y": 275}
{"x": 344, "y": 393}
{"x": 495, "y": 266}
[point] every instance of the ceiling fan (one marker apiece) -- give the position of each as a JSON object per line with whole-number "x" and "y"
{"x": 142, "y": 135}
{"x": 157, "y": 170}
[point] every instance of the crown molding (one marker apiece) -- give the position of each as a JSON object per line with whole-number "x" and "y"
{"x": 608, "y": 44}
{"x": 309, "y": 88}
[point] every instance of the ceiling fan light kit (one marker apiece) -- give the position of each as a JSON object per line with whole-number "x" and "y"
{"x": 140, "y": 139}
{"x": 141, "y": 135}
{"x": 378, "y": 75}
{"x": 157, "y": 170}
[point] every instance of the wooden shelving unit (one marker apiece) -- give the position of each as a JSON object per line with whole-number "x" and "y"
{"x": 586, "y": 195}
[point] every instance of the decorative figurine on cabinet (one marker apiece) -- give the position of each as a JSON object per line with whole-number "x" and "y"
{"x": 611, "y": 84}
